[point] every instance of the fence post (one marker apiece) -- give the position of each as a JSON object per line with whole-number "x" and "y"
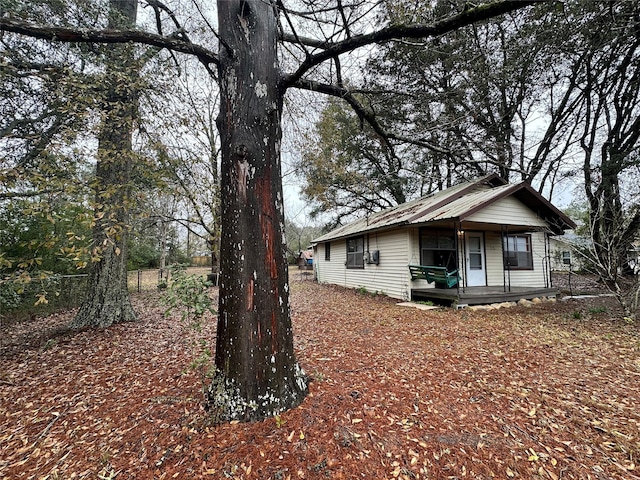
{"x": 139, "y": 274}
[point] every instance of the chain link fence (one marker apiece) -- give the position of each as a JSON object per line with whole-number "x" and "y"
{"x": 63, "y": 292}
{"x": 41, "y": 296}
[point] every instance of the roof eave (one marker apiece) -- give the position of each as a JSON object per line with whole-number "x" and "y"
{"x": 359, "y": 232}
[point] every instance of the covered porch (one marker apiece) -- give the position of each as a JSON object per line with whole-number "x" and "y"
{"x": 480, "y": 295}
{"x": 489, "y": 258}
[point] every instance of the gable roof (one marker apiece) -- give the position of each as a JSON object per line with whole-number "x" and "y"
{"x": 456, "y": 203}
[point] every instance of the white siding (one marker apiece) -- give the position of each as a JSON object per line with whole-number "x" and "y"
{"x": 519, "y": 278}
{"x": 390, "y": 277}
{"x": 331, "y": 271}
{"x": 507, "y": 211}
{"x": 557, "y": 247}
{"x": 400, "y": 248}
{"x": 493, "y": 251}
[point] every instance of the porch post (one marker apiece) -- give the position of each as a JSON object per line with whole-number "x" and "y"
{"x": 464, "y": 258}
{"x": 456, "y": 230}
{"x": 506, "y": 268}
{"x": 504, "y": 278}
{"x": 547, "y": 260}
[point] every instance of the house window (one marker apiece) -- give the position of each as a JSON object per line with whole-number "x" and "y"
{"x": 517, "y": 252}
{"x": 438, "y": 248}
{"x": 327, "y": 251}
{"x": 355, "y": 252}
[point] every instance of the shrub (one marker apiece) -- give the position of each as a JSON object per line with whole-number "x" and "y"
{"x": 44, "y": 295}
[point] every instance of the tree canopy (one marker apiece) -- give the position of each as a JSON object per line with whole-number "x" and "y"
{"x": 504, "y": 96}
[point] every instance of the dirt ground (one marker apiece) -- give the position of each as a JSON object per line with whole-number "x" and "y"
{"x": 546, "y": 392}
{"x": 577, "y": 284}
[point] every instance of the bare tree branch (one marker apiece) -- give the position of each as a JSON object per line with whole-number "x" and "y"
{"x": 30, "y": 194}
{"x": 345, "y": 23}
{"x": 365, "y": 115}
{"x": 304, "y": 41}
{"x": 86, "y": 35}
{"x": 467, "y": 17}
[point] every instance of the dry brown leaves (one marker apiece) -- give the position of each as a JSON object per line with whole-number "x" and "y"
{"x": 396, "y": 393}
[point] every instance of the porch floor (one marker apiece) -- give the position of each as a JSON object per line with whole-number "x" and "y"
{"x": 481, "y": 295}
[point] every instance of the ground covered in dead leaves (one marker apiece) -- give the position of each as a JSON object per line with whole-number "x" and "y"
{"x": 549, "y": 392}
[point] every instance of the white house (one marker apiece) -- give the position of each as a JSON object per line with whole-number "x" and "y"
{"x": 477, "y": 242}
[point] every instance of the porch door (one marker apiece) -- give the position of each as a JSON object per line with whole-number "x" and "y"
{"x": 476, "y": 269}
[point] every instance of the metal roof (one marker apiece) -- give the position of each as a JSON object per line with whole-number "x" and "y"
{"x": 454, "y": 204}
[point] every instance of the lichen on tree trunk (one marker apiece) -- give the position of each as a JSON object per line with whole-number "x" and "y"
{"x": 257, "y": 372}
{"x": 107, "y": 298}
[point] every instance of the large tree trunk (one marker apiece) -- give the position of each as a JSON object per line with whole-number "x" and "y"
{"x": 107, "y": 299}
{"x": 257, "y": 373}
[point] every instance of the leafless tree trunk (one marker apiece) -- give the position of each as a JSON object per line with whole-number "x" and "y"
{"x": 258, "y": 375}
